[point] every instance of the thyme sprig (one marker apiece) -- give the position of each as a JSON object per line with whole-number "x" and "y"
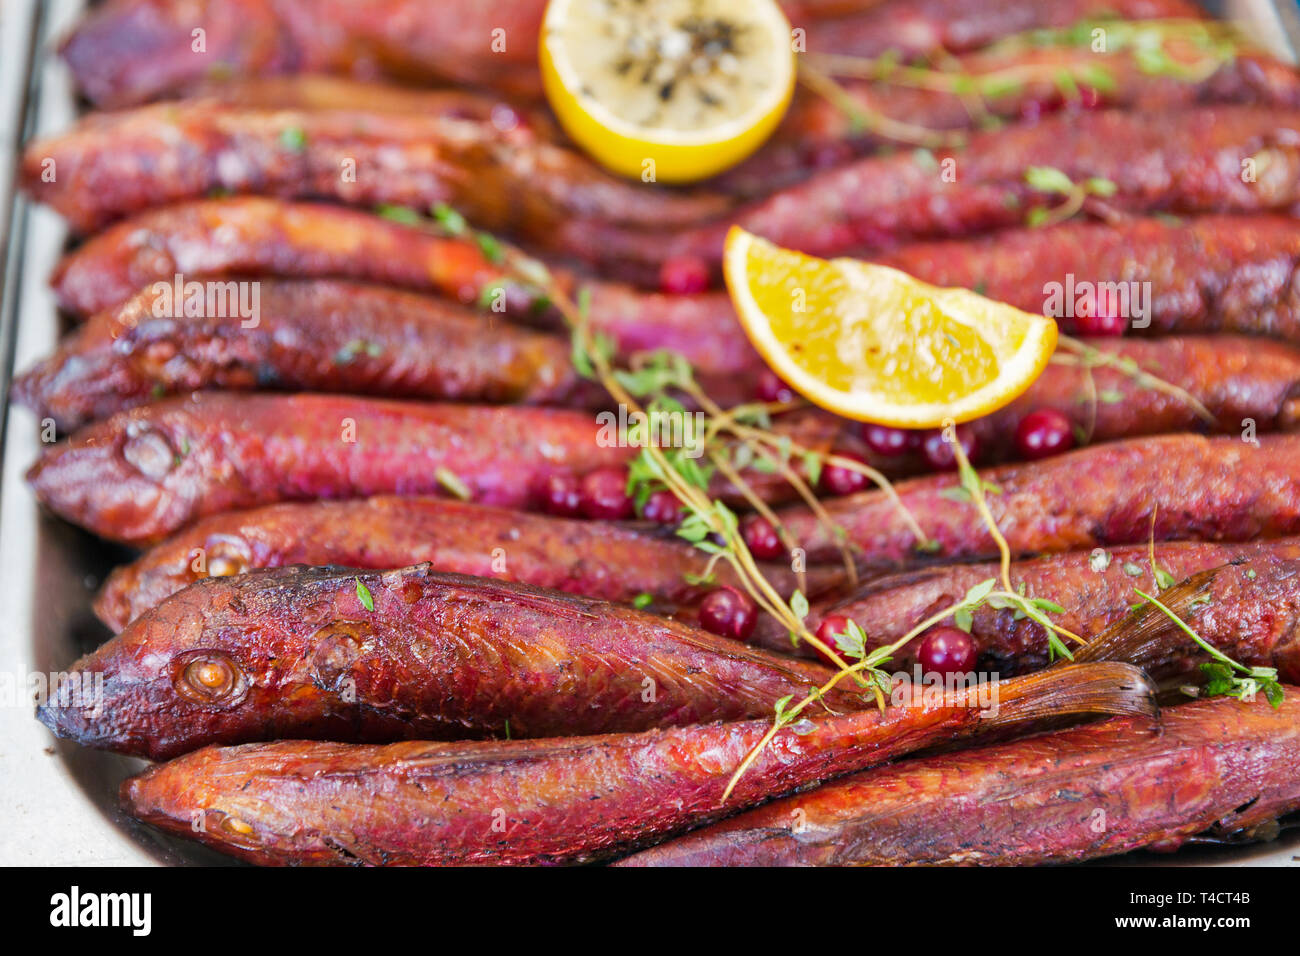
{"x": 1226, "y": 677}
{"x": 1089, "y": 357}
{"x": 852, "y": 642}
{"x": 1148, "y": 42}
{"x": 864, "y": 119}
{"x": 1157, "y": 48}
{"x": 647, "y": 386}
{"x": 1050, "y": 180}
{"x": 710, "y": 525}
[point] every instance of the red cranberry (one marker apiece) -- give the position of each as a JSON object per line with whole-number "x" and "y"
{"x": 561, "y": 495}
{"x": 604, "y": 495}
{"x": 946, "y": 650}
{"x": 1044, "y": 433}
{"x": 938, "y": 452}
{"x": 761, "y": 538}
{"x": 1089, "y": 98}
{"x": 826, "y": 155}
{"x": 831, "y": 625}
{"x": 836, "y": 480}
{"x": 771, "y": 388}
{"x": 684, "y": 275}
{"x": 1036, "y": 109}
{"x": 662, "y": 507}
{"x": 727, "y": 612}
{"x": 1108, "y": 321}
{"x": 891, "y": 442}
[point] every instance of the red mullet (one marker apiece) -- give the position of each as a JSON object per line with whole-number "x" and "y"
{"x": 368, "y": 656}
{"x": 1218, "y": 765}
{"x": 564, "y": 800}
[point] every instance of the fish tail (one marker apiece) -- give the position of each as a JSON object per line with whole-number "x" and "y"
{"x": 1103, "y": 687}
{"x": 1146, "y": 633}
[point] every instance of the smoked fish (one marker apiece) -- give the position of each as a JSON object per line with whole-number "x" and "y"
{"x": 1227, "y": 159}
{"x": 567, "y": 799}
{"x": 1203, "y": 274}
{"x": 1218, "y": 765}
{"x": 112, "y": 164}
{"x": 257, "y": 236}
{"x": 307, "y": 335}
{"x": 376, "y": 656}
{"x": 148, "y": 472}
{"x": 1218, "y": 489}
{"x": 1250, "y": 611}
{"x": 596, "y": 559}
{"x": 127, "y": 51}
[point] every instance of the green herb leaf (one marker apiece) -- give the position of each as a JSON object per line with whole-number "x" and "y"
{"x": 451, "y": 481}
{"x": 293, "y": 138}
{"x": 1100, "y": 187}
{"x": 450, "y": 220}
{"x": 491, "y": 248}
{"x": 1048, "y": 179}
{"x": 799, "y": 605}
{"x": 976, "y": 595}
{"x": 407, "y": 217}
{"x": 812, "y": 465}
{"x": 363, "y": 595}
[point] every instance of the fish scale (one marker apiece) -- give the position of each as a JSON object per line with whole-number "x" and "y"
{"x": 569, "y": 800}
{"x": 441, "y": 656}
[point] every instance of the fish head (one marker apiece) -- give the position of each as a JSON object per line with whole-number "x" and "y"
{"x": 218, "y": 662}
{"x": 129, "y": 477}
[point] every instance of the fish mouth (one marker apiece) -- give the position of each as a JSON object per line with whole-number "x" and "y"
{"x": 106, "y": 713}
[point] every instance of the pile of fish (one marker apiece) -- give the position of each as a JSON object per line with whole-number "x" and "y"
{"x": 364, "y": 627}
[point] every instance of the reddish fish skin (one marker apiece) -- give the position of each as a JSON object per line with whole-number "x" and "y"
{"x": 1234, "y": 377}
{"x": 1253, "y": 613}
{"x": 817, "y": 133}
{"x": 127, "y": 51}
{"x": 116, "y": 163}
{"x": 1186, "y": 161}
{"x": 1218, "y": 764}
{"x": 597, "y": 559}
{"x": 1207, "y": 273}
{"x": 149, "y": 471}
{"x": 563, "y": 800}
{"x": 1218, "y": 489}
{"x": 321, "y": 335}
{"x": 257, "y": 236}
{"x": 415, "y": 655}
{"x": 319, "y": 91}
{"x": 920, "y": 27}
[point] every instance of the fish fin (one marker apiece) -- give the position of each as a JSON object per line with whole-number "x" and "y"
{"x": 1146, "y": 634}
{"x": 1102, "y": 687}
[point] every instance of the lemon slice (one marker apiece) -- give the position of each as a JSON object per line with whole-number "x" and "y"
{"x": 667, "y": 90}
{"x": 872, "y": 343}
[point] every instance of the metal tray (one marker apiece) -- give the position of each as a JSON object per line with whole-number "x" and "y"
{"x": 59, "y": 801}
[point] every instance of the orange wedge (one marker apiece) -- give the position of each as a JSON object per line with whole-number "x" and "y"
{"x": 874, "y": 344}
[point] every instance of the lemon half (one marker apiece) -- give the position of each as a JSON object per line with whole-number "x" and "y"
{"x": 874, "y": 344}
{"x": 667, "y": 90}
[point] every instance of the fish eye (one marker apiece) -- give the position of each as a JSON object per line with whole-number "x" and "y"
{"x": 150, "y": 454}
{"x": 209, "y": 677}
{"x": 227, "y": 556}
